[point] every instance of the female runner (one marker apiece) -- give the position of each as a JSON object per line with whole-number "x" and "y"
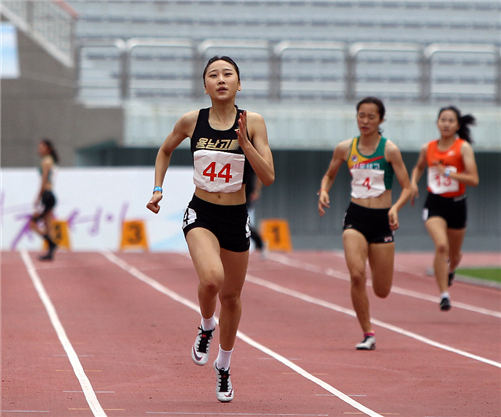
{"x": 45, "y": 198}
{"x": 371, "y": 217}
{"x": 451, "y": 167}
{"x": 226, "y": 142}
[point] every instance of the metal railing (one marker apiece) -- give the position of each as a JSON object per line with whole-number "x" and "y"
{"x": 51, "y": 23}
{"x": 414, "y": 74}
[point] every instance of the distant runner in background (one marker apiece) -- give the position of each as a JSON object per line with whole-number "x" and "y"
{"x": 451, "y": 167}
{"x": 45, "y": 200}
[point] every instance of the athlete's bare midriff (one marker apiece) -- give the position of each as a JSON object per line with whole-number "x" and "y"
{"x": 381, "y": 202}
{"x": 223, "y": 199}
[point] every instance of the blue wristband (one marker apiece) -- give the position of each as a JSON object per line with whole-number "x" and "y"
{"x": 447, "y": 172}
{"x": 158, "y": 189}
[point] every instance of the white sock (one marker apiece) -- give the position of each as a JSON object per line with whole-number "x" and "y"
{"x": 445, "y": 295}
{"x": 209, "y": 324}
{"x": 223, "y": 358}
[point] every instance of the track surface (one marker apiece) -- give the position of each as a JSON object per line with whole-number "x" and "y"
{"x": 110, "y": 334}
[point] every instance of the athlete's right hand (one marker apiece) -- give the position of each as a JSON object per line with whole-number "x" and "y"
{"x": 153, "y": 203}
{"x": 323, "y": 202}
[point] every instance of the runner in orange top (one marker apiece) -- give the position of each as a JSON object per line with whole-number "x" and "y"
{"x": 451, "y": 167}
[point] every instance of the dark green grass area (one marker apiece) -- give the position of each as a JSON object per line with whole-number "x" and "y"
{"x": 490, "y": 274}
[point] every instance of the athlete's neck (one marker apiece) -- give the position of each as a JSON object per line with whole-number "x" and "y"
{"x": 445, "y": 142}
{"x": 368, "y": 144}
{"x": 222, "y": 116}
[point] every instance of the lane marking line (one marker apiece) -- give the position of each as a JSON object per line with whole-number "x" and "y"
{"x": 182, "y": 413}
{"x": 335, "y": 307}
{"x": 164, "y": 290}
{"x": 89, "y": 393}
{"x": 398, "y": 290}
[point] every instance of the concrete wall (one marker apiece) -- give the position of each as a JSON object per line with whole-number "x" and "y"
{"x": 41, "y": 103}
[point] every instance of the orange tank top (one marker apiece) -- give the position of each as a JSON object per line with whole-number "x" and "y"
{"x": 452, "y": 159}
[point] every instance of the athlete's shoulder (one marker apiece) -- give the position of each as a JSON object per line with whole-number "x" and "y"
{"x": 189, "y": 118}
{"x": 390, "y": 146}
{"x": 47, "y": 161}
{"x": 343, "y": 149}
{"x": 391, "y": 151}
{"x": 254, "y": 117}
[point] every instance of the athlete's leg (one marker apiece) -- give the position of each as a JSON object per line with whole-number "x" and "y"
{"x": 437, "y": 228}
{"x": 235, "y": 270}
{"x": 381, "y": 261}
{"x": 49, "y": 229}
{"x": 455, "y": 238}
{"x": 35, "y": 227}
{"x": 356, "y": 252}
{"x": 205, "y": 254}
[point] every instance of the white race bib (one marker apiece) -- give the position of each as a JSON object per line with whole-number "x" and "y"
{"x": 217, "y": 171}
{"x": 367, "y": 183}
{"x": 440, "y": 184}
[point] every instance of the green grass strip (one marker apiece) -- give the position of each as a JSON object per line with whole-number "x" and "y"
{"x": 490, "y": 274}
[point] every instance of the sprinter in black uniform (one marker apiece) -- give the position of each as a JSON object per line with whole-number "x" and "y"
{"x": 226, "y": 142}
{"x": 45, "y": 200}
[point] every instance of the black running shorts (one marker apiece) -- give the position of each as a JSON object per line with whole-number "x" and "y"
{"x": 451, "y": 209}
{"x": 230, "y": 224}
{"x": 372, "y": 223}
{"x": 48, "y": 203}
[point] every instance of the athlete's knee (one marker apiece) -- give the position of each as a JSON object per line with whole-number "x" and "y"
{"x": 211, "y": 281}
{"x": 455, "y": 258}
{"x": 230, "y": 301}
{"x": 442, "y": 248}
{"x": 382, "y": 292}
{"x": 358, "y": 279}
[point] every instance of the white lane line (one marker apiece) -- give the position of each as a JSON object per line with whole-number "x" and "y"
{"x": 182, "y": 413}
{"x": 89, "y": 393}
{"x": 164, "y": 290}
{"x": 402, "y": 291}
{"x": 335, "y": 307}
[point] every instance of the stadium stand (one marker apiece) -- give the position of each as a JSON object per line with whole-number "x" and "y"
{"x": 309, "y": 71}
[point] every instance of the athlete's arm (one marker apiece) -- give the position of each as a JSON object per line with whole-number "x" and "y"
{"x": 394, "y": 157}
{"x": 339, "y": 156}
{"x": 182, "y": 129}
{"x": 256, "y": 148}
{"x": 417, "y": 172}
{"x": 470, "y": 175}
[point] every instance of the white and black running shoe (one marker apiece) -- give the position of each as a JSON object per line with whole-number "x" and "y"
{"x": 200, "y": 349}
{"x": 445, "y": 304}
{"x": 369, "y": 343}
{"x": 224, "y": 389}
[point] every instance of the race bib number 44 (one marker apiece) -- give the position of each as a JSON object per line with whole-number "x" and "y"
{"x": 217, "y": 171}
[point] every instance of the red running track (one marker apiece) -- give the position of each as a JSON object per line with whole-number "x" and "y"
{"x": 94, "y": 334}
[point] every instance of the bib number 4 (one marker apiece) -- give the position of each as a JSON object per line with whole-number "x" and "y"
{"x": 367, "y": 183}
{"x": 225, "y": 172}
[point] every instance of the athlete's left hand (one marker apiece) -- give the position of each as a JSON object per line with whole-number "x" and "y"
{"x": 393, "y": 219}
